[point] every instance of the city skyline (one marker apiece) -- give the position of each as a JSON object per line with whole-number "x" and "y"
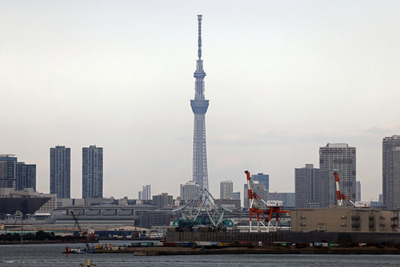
{"x": 284, "y": 80}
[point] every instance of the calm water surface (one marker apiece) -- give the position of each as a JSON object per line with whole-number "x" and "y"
{"x": 51, "y": 255}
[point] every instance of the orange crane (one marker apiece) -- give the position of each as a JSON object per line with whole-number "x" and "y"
{"x": 263, "y": 216}
{"x": 340, "y": 197}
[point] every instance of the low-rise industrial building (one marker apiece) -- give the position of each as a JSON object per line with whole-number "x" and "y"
{"x": 344, "y": 219}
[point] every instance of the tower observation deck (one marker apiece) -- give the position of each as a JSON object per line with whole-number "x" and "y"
{"x": 199, "y": 107}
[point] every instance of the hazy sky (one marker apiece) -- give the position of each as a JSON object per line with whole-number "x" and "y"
{"x": 283, "y": 79}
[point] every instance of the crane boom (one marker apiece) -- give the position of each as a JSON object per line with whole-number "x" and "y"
{"x": 340, "y": 196}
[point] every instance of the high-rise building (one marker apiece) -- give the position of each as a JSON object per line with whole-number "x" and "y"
{"x": 358, "y": 191}
{"x": 92, "y": 172}
{"x": 60, "y": 171}
{"x": 342, "y": 159}
{"x": 189, "y": 190}
{"x": 8, "y": 172}
{"x": 25, "y": 176}
{"x": 199, "y": 107}
{"x": 262, "y": 178}
{"x": 258, "y": 188}
{"x": 236, "y": 195}
{"x": 226, "y": 190}
{"x": 391, "y": 172}
{"x": 145, "y": 194}
{"x": 307, "y": 186}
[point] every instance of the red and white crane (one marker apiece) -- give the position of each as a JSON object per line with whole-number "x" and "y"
{"x": 263, "y": 216}
{"x": 340, "y": 197}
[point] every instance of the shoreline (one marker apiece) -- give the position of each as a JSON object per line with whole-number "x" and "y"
{"x": 163, "y": 251}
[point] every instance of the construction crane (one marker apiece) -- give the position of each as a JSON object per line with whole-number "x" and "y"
{"x": 340, "y": 196}
{"x": 263, "y": 216}
{"x": 80, "y": 229}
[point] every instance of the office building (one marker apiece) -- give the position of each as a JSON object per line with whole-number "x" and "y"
{"x": 391, "y": 172}
{"x": 307, "y": 186}
{"x": 163, "y": 200}
{"x": 262, "y": 178}
{"x": 189, "y": 190}
{"x": 236, "y": 195}
{"x": 60, "y": 171}
{"x": 226, "y": 190}
{"x": 8, "y": 172}
{"x": 25, "y": 176}
{"x": 92, "y": 172}
{"x": 342, "y": 159}
{"x": 145, "y": 194}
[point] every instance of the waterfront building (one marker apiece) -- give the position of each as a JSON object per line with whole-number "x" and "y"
{"x": 342, "y": 159}
{"x": 229, "y": 203}
{"x": 288, "y": 199}
{"x": 60, "y": 171}
{"x": 199, "y": 107}
{"x": 8, "y": 174}
{"x": 25, "y": 176}
{"x": 92, "y": 172}
{"x": 307, "y": 186}
{"x": 343, "y": 219}
{"x": 189, "y": 190}
{"x": 226, "y": 190}
{"x": 163, "y": 200}
{"x": 262, "y": 178}
{"x": 391, "y": 172}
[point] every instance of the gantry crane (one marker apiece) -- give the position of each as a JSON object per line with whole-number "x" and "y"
{"x": 263, "y": 216}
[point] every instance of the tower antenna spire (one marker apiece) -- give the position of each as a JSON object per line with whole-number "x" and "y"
{"x": 199, "y": 17}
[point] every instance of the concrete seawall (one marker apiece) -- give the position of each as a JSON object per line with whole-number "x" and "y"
{"x": 293, "y": 237}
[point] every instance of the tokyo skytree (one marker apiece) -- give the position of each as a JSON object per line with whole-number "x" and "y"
{"x": 199, "y": 106}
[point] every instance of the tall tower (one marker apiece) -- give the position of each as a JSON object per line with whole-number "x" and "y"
{"x": 391, "y": 171}
{"x": 60, "y": 171}
{"x": 92, "y": 172}
{"x": 199, "y": 106}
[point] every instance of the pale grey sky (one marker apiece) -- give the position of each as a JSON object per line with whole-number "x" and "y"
{"x": 283, "y": 79}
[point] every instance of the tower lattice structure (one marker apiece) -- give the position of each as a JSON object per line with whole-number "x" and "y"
{"x": 199, "y": 106}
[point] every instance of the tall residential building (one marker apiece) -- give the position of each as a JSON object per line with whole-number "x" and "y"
{"x": 25, "y": 176}
{"x": 391, "y": 172}
{"x": 262, "y": 178}
{"x": 60, "y": 171}
{"x": 306, "y": 186}
{"x": 8, "y": 172}
{"x": 358, "y": 191}
{"x": 258, "y": 188}
{"x": 342, "y": 159}
{"x": 199, "y": 107}
{"x": 226, "y": 190}
{"x": 189, "y": 190}
{"x": 92, "y": 172}
{"x": 145, "y": 194}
